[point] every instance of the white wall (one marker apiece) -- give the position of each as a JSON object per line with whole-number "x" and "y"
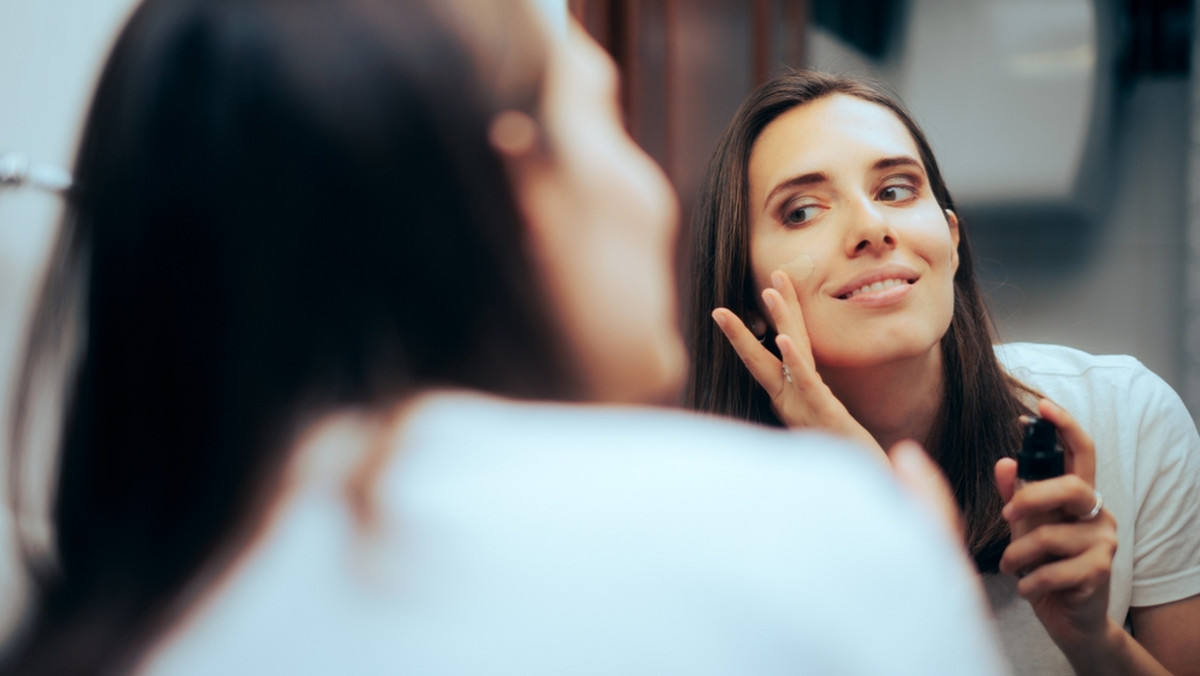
{"x": 50, "y": 51}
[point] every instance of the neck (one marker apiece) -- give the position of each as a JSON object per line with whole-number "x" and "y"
{"x": 894, "y": 401}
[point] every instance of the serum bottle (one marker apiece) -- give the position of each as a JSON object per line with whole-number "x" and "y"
{"x": 1041, "y": 457}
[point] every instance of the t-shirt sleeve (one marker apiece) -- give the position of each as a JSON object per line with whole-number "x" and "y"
{"x": 1166, "y": 558}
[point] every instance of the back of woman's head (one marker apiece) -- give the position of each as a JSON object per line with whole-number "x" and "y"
{"x": 281, "y": 206}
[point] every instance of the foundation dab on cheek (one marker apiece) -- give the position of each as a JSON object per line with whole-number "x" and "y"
{"x": 799, "y": 268}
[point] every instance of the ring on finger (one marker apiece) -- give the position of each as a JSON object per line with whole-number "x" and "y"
{"x": 1095, "y": 508}
{"x": 787, "y": 375}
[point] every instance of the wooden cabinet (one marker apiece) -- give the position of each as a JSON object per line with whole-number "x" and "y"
{"x": 686, "y": 65}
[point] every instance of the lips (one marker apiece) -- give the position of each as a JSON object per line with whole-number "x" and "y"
{"x": 876, "y": 281}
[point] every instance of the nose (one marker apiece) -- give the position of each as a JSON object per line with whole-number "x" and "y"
{"x": 869, "y": 230}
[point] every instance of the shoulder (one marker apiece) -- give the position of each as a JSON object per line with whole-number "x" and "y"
{"x": 588, "y": 442}
{"x": 1077, "y": 379}
{"x": 1147, "y": 447}
{"x": 534, "y": 531}
{"x": 1139, "y": 424}
{"x": 1040, "y": 359}
{"x": 692, "y": 511}
{"x": 1104, "y": 392}
{"x": 648, "y": 471}
{"x": 657, "y": 476}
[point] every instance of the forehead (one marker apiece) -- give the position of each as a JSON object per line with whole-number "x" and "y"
{"x": 833, "y": 133}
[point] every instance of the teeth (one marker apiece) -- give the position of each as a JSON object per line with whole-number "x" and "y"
{"x": 877, "y": 287}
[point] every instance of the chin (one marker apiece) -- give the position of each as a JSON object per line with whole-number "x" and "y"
{"x": 674, "y": 365}
{"x": 655, "y": 376}
{"x": 664, "y": 376}
{"x": 874, "y": 354}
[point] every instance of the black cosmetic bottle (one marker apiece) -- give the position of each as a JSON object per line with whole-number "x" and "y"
{"x": 1041, "y": 456}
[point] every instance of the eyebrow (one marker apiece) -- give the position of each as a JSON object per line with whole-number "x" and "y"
{"x": 796, "y": 181}
{"x": 897, "y": 161}
{"x": 815, "y": 177}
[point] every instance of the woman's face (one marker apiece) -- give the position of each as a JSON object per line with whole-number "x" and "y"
{"x": 608, "y": 237}
{"x": 840, "y": 200}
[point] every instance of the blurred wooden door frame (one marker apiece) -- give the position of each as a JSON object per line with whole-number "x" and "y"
{"x": 676, "y": 93}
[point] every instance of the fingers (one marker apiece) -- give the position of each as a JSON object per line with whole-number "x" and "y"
{"x": 1080, "y": 451}
{"x": 1080, "y": 576}
{"x": 1006, "y": 477}
{"x": 804, "y": 377}
{"x": 786, "y": 314}
{"x": 763, "y": 365}
{"x": 1048, "y": 553}
{"x": 921, "y": 477}
{"x": 799, "y": 397}
{"x": 1068, "y": 494}
{"x": 1053, "y": 542}
{"x": 791, "y": 338}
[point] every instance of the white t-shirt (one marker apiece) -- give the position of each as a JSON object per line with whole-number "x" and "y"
{"x": 551, "y": 539}
{"x": 1147, "y": 469}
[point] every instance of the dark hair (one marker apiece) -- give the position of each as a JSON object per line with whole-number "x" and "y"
{"x": 281, "y": 207}
{"x": 981, "y": 402}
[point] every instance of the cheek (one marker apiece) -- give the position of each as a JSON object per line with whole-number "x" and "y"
{"x": 802, "y": 261}
{"x": 792, "y": 254}
{"x": 798, "y": 269}
{"x": 800, "y": 258}
{"x": 762, "y": 263}
{"x": 929, "y": 235}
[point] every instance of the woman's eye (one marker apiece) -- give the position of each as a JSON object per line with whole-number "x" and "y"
{"x": 799, "y": 214}
{"x": 897, "y": 193}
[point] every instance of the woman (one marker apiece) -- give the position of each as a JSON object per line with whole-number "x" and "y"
{"x": 324, "y": 256}
{"x": 839, "y": 278}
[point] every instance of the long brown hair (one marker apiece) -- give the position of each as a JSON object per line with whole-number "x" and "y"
{"x": 977, "y": 425}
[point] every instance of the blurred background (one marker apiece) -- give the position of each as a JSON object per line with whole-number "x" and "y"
{"x": 1068, "y": 131}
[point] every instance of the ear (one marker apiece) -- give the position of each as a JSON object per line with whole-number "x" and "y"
{"x": 952, "y": 221}
{"x": 514, "y": 135}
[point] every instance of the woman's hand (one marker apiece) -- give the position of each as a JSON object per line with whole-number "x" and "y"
{"x": 798, "y": 395}
{"x": 1061, "y": 552}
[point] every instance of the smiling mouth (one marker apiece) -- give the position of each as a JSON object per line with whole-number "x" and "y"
{"x": 876, "y": 287}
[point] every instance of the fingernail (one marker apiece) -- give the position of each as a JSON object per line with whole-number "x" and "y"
{"x": 769, "y": 300}
{"x": 778, "y": 279}
{"x": 719, "y": 319}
